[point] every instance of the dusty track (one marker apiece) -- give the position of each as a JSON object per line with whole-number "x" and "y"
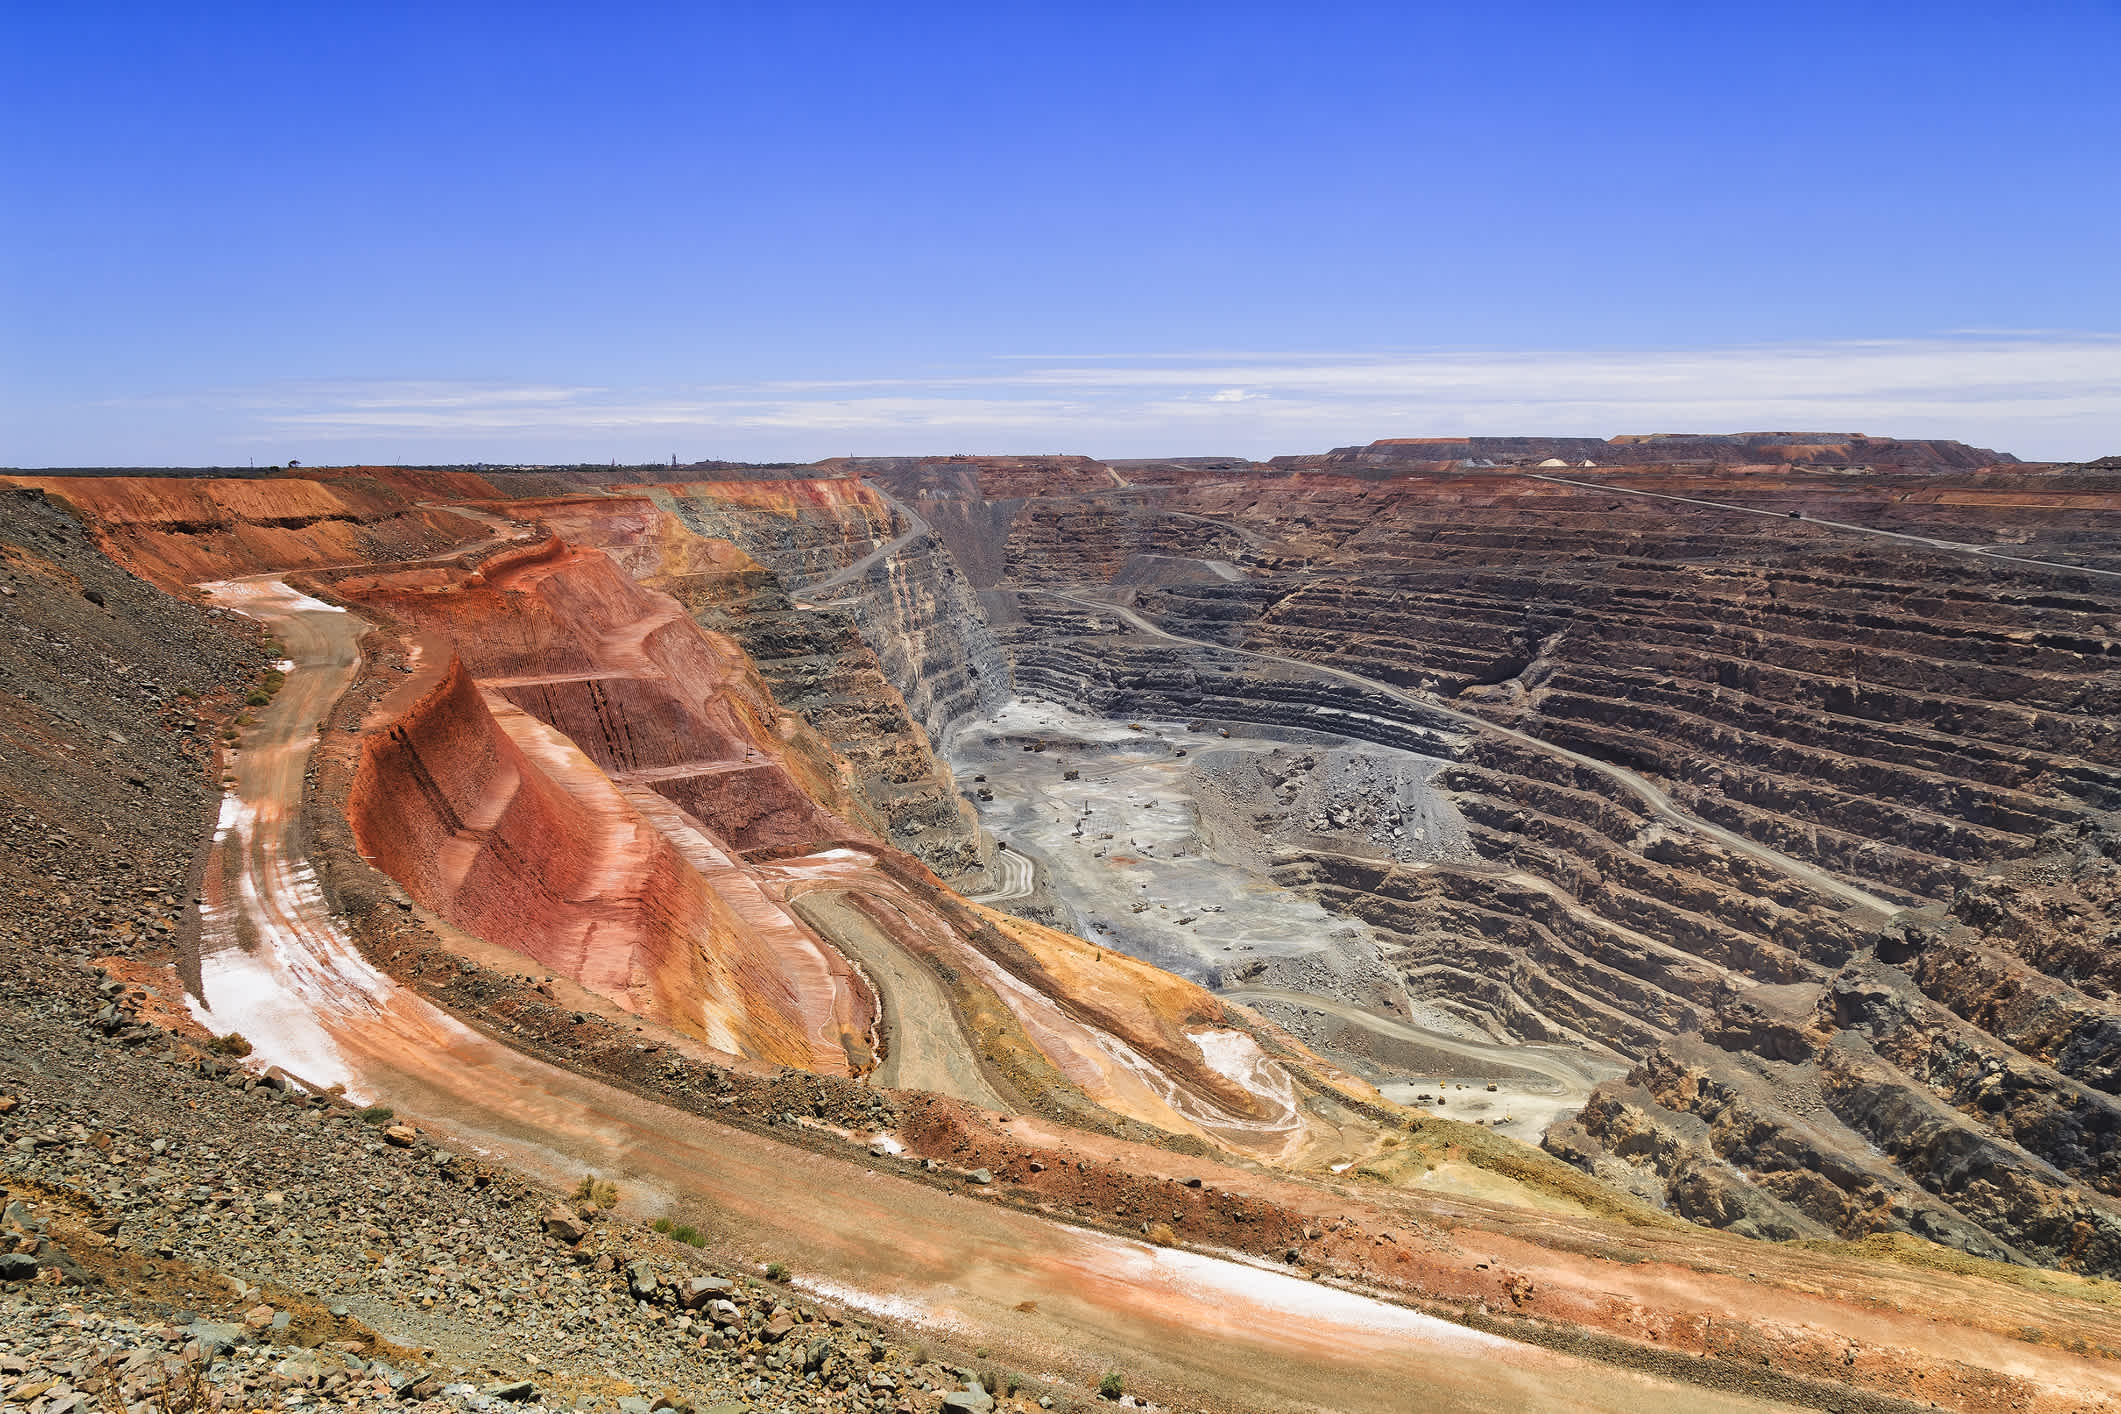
{"x": 1659, "y": 803}
{"x": 927, "y": 1049}
{"x": 1048, "y": 1295}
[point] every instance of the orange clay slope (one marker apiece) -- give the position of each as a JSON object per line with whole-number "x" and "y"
{"x": 537, "y": 797}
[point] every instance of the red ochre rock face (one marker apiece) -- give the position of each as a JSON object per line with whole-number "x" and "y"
{"x": 516, "y": 800}
{"x": 535, "y": 850}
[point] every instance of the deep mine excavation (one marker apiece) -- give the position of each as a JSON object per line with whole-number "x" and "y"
{"x": 1389, "y": 928}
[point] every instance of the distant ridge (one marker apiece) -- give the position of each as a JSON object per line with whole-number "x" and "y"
{"x": 1824, "y": 449}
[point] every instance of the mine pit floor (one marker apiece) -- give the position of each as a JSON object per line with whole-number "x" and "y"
{"x": 1181, "y": 883}
{"x": 1153, "y": 889}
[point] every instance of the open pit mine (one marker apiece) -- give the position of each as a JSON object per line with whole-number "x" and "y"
{"x": 1496, "y": 923}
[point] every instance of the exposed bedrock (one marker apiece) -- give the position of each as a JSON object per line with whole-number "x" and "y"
{"x": 839, "y": 548}
{"x": 579, "y": 785}
{"x": 803, "y": 530}
{"x": 1986, "y": 1084}
{"x": 929, "y": 632}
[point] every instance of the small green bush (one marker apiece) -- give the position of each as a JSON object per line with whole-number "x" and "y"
{"x": 1110, "y": 1386}
{"x": 232, "y": 1044}
{"x": 690, "y": 1236}
{"x": 661, "y": 1224}
{"x": 776, "y": 1272}
{"x": 376, "y": 1114}
{"x": 258, "y": 699}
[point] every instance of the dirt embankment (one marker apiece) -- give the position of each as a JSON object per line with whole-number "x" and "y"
{"x": 178, "y": 532}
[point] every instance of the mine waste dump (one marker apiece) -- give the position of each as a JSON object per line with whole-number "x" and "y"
{"x": 1489, "y": 923}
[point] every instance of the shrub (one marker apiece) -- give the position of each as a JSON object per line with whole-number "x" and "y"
{"x": 375, "y": 1114}
{"x": 690, "y": 1236}
{"x": 661, "y": 1224}
{"x": 1110, "y": 1386}
{"x": 776, "y": 1272}
{"x": 600, "y": 1191}
{"x": 258, "y": 698}
{"x": 232, "y": 1044}
{"x": 185, "y": 1388}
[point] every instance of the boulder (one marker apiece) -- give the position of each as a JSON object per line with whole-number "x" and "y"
{"x": 215, "y": 1338}
{"x": 696, "y": 1292}
{"x": 561, "y": 1223}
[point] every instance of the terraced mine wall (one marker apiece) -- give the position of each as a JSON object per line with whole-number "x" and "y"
{"x": 1949, "y": 721}
{"x": 1073, "y": 654}
{"x": 905, "y": 603}
{"x": 1927, "y": 725}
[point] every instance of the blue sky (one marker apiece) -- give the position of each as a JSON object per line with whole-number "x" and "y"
{"x": 448, "y": 233}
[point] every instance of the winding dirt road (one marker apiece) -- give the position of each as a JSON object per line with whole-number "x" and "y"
{"x": 1016, "y": 877}
{"x": 808, "y": 595}
{"x": 1047, "y": 1295}
{"x": 927, "y": 1048}
{"x": 1660, "y": 804}
{"x": 1570, "y": 1078}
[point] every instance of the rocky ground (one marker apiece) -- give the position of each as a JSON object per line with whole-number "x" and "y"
{"x": 1347, "y": 794}
{"x": 162, "y": 1198}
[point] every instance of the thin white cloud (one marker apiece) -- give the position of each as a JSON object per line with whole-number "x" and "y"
{"x": 2039, "y": 395}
